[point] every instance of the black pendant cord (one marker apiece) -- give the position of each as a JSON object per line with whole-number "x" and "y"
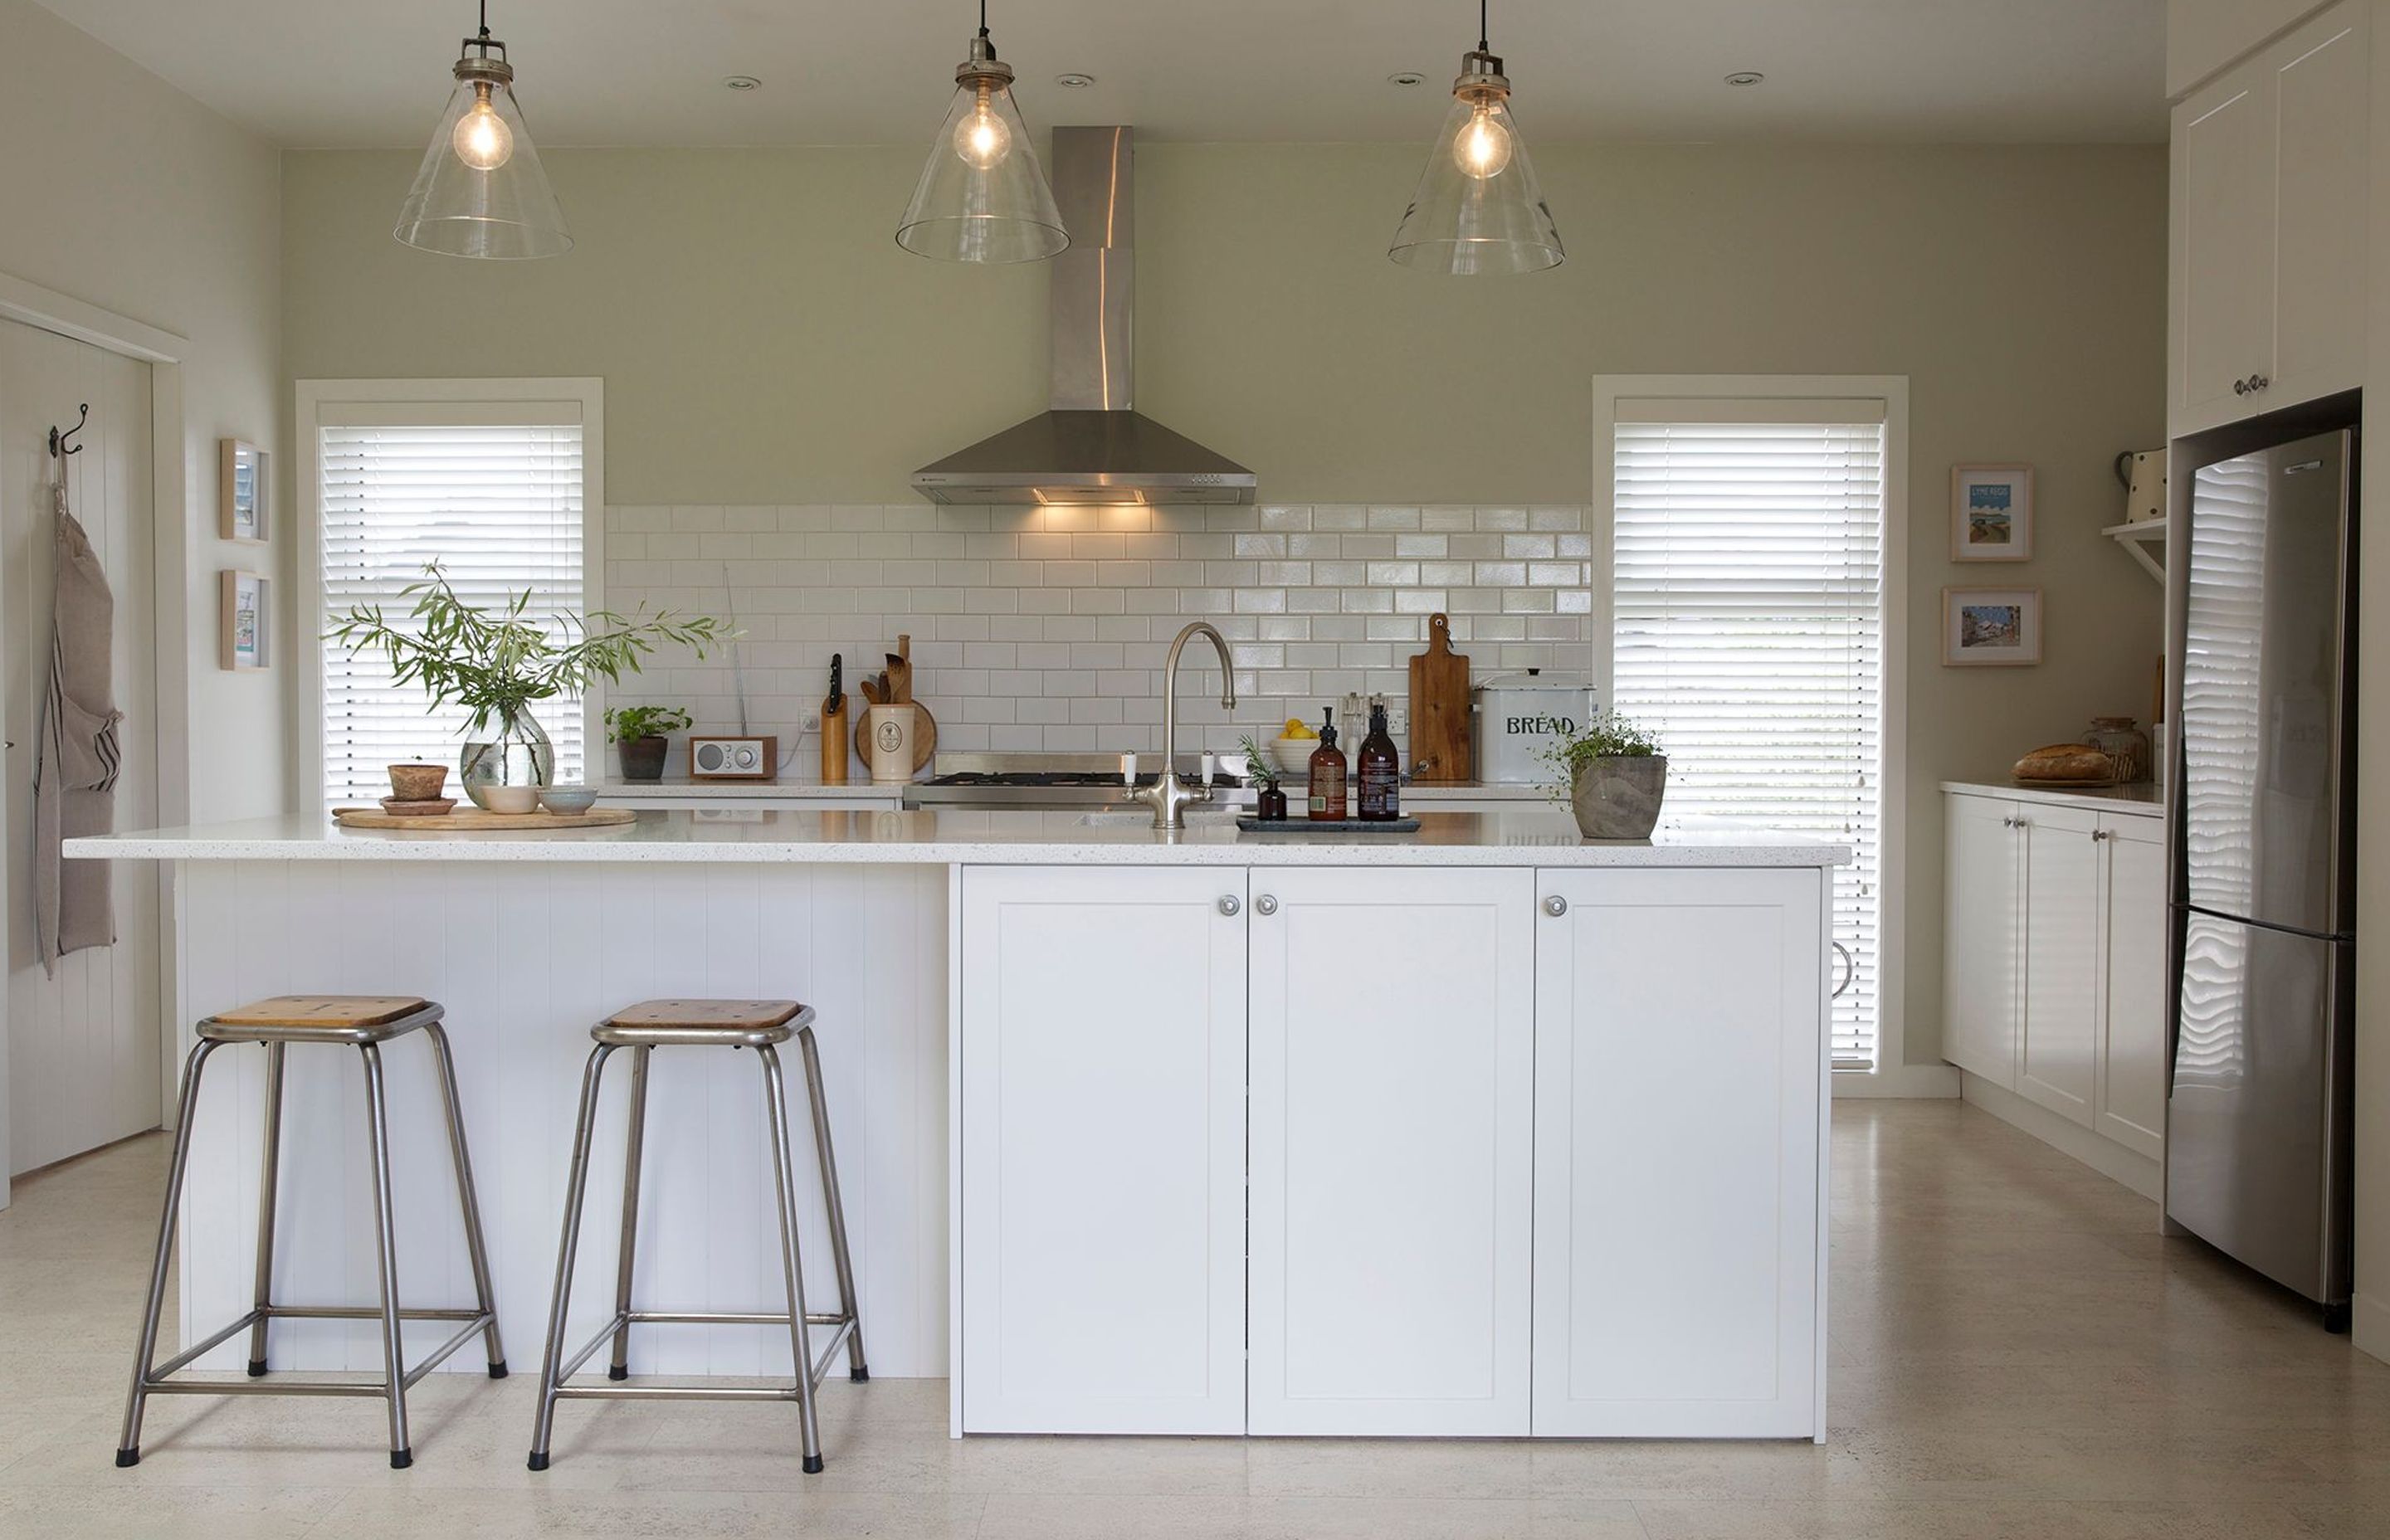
{"x": 485, "y": 20}
{"x": 982, "y": 16}
{"x": 1480, "y": 23}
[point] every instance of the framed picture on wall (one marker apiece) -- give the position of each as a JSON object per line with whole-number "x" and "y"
{"x": 1991, "y": 627}
{"x": 240, "y": 506}
{"x": 247, "y": 621}
{"x": 1991, "y": 513}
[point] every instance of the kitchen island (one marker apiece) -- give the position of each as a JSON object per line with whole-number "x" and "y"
{"x": 1480, "y": 1130}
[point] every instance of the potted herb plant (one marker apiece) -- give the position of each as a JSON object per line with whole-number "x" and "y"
{"x": 1269, "y": 804}
{"x": 497, "y": 662}
{"x": 1614, "y": 776}
{"x": 638, "y": 733}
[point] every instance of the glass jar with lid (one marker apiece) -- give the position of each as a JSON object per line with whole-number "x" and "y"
{"x": 2121, "y": 739}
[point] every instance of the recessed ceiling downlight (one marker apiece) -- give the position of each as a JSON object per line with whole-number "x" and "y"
{"x": 741, "y": 82}
{"x": 1406, "y": 77}
{"x": 1745, "y": 77}
{"x": 1073, "y": 81}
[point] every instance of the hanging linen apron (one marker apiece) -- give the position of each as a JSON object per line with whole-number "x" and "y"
{"x": 74, "y": 778}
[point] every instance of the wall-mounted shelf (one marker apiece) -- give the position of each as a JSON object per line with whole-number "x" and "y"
{"x": 2137, "y": 539}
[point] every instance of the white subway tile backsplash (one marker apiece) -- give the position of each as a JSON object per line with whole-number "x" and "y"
{"x": 1048, "y": 628}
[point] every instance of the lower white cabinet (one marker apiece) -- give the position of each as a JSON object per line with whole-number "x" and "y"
{"x": 2054, "y": 959}
{"x": 1103, "y": 1149}
{"x": 1393, "y": 1061}
{"x": 1431, "y": 1151}
{"x": 1678, "y": 1119}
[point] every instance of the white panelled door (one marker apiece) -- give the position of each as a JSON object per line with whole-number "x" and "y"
{"x": 1393, "y": 1098}
{"x": 1679, "y": 1110}
{"x": 78, "y": 1051}
{"x": 1102, "y": 1139}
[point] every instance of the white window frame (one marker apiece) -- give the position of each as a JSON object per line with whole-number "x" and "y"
{"x": 1893, "y": 1074}
{"x": 501, "y": 401}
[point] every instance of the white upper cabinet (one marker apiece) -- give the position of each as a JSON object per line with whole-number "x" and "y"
{"x": 1103, "y": 1149}
{"x": 2269, "y": 228}
{"x": 1679, "y": 1072}
{"x": 1392, "y": 1106}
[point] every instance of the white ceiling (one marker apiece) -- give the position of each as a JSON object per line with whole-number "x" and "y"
{"x": 649, "y": 72}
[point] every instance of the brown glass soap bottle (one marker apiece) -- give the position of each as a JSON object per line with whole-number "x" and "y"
{"x": 1377, "y": 770}
{"x": 1327, "y": 775}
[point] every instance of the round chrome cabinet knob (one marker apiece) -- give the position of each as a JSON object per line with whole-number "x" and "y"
{"x": 1229, "y": 905}
{"x": 1266, "y": 905}
{"x": 1556, "y": 905}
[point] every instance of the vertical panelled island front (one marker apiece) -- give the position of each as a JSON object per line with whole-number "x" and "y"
{"x": 1484, "y": 1131}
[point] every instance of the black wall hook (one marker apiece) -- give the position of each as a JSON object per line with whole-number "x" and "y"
{"x": 59, "y": 440}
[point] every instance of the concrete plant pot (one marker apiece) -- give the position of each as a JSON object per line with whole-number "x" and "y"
{"x": 1618, "y": 798}
{"x": 643, "y": 758}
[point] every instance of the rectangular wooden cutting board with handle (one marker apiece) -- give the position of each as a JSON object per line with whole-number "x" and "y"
{"x": 1440, "y": 743}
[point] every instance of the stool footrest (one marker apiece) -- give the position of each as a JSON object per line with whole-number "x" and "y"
{"x": 829, "y": 1349}
{"x": 155, "y": 1381}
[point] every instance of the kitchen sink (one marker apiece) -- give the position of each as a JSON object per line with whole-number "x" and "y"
{"x": 1209, "y": 818}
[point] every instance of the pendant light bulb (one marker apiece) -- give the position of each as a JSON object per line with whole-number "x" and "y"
{"x": 482, "y": 138}
{"x": 1482, "y": 148}
{"x": 479, "y": 190}
{"x": 982, "y": 137}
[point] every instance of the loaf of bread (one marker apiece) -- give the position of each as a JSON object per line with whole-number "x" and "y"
{"x": 2066, "y": 762}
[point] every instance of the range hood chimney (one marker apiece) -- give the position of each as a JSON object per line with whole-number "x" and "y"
{"x": 1093, "y": 446}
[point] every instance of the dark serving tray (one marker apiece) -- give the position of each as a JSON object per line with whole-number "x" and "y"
{"x": 1337, "y": 826}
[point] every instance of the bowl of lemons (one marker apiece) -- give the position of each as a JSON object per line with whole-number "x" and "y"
{"x": 1293, "y": 746}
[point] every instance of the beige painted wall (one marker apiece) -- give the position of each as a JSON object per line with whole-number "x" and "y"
{"x": 763, "y": 342}
{"x": 2202, "y": 36}
{"x": 123, "y": 193}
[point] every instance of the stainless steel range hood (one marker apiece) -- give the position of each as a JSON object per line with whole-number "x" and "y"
{"x": 1093, "y": 446}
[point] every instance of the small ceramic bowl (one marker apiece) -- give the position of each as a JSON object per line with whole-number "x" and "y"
{"x": 418, "y": 783}
{"x": 1294, "y": 755}
{"x": 510, "y": 799}
{"x": 568, "y": 799}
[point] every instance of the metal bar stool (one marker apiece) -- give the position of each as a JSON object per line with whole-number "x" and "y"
{"x": 363, "y": 1022}
{"x": 760, "y": 1025}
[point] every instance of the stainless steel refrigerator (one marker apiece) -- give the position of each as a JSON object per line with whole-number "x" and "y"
{"x": 2257, "y": 1124}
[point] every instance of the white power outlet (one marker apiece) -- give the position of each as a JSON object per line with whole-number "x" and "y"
{"x": 812, "y": 724}
{"x": 1398, "y": 720}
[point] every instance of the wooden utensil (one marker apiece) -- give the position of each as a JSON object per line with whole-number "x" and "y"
{"x": 1440, "y": 743}
{"x": 900, "y": 672}
{"x": 833, "y": 727}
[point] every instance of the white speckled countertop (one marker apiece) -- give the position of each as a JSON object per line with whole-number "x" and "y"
{"x": 1530, "y": 835}
{"x": 681, "y": 788}
{"x": 2144, "y": 799}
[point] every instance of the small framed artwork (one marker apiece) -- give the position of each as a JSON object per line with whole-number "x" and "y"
{"x": 1991, "y": 513}
{"x": 240, "y": 509}
{"x": 246, "y": 641}
{"x": 1991, "y": 627}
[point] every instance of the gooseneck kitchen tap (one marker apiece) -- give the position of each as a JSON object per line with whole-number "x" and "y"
{"x": 1169, "y": 795}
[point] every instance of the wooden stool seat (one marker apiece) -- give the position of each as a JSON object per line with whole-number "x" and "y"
{"x": 703, "y": 1024}
{"x": 348, "y": 1019}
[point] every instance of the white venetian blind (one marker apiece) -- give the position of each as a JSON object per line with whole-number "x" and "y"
{"x": 497, "y": 501}
{"x": 1749, "y": 604}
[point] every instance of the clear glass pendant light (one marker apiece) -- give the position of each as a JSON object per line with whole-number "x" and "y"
{"x": 481, "y": 191}
{"x": 1478, "y": 207}
{"x": 982, "y": 196}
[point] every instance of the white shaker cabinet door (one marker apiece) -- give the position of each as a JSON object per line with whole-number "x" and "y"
{"x": 2133, "y": 1021}
{"x": 2322, "y": 77}
{"x": 2061, "y": 959}
{"x": 1679, "y": 1076}
{"x": 2223, "y": 260}
{"x": 1392, "y": 1150}
{"x": 1102, "y": 1139}
{"x": 1981, "y": 936}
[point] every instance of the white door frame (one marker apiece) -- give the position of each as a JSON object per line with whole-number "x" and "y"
{"x": 50, "y": 311}
{"x": 1894, "y": 1075}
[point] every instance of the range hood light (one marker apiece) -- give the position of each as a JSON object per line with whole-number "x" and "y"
{"x": 1478, "y": 207}
{"x": 481, "y": 191}
{"x": 982, "y": 196}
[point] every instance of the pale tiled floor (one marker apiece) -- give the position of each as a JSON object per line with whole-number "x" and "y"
{"x": 2016, "y": 1354}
